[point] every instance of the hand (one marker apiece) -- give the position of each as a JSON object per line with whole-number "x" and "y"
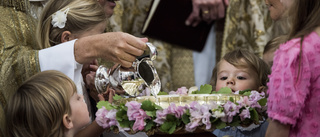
{"x": 206, "y": 10}
{"x": 117, "y": 47}
{"x": 107, "y": 95}
{"x": 88, "y": 73}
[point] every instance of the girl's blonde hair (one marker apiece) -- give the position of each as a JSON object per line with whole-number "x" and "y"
{"x": 38, "y": 106}
{"x": 244, "y": 59}
{"x": 82, "y": 16}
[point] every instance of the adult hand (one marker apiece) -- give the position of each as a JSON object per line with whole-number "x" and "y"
{"x": 117, "y": 47}
{"x": 206, "y": 10}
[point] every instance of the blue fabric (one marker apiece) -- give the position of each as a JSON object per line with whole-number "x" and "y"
{"x": 234, "y": 132}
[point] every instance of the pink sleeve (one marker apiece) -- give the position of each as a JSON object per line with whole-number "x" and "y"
{"x": 286, "y": 94}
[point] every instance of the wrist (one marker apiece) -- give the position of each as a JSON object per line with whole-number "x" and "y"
{"x": 84, "y": 50}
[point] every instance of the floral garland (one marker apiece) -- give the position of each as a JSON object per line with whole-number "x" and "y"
{"x": 149, "y": 117}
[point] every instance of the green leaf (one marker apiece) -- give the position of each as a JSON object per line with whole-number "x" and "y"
{"x": 205, "y": 89}
{"x": 231, "y": 99}
{"x": 165, "y": 127}
{"x": 247, "y": 94}
{"x": 185, "y": 119}
{"x": 124, "y": 123}
{"x": 195, "y": 92}
{"x": 102, "y": 103}
{"x": 220, "y": 125}
{"x": 157, "y": 107}
{"x": 151, "y": 113}
{"x": 116, "y": 97}
{"x": 172, "y": 129}
{"x": 171, "y": 117}
{"x": 106, "y": 104}
{"x": 163, "y": 93}
{"x": 149, "y": 125}
{"x": 224, "y": 90}
{"x": 254, "y": 115}
{"x": 263, "y": 102}
{"x": 147, "y": 105}
{"x": 121, "y": 115}
{"x": 244, "y": 91}
{"x": 235, "y": 121}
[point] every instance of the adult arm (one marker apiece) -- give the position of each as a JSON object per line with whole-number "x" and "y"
{"x": 276, "y": 129}
{"x": 117, "y": 47}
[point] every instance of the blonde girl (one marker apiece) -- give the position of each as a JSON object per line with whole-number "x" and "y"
{"x": 46, "y": 105}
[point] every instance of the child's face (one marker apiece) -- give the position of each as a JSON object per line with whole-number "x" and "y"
{"x": 79, "y": 111}
{"x": 235, "y": 78}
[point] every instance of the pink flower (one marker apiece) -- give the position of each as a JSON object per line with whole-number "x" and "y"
{"x": 180, "y": 91}
{"x": 230, "y": 110}
{"x": 177, "y": 111}
{"x": 172, "y": 109}
{"x": 135, "y": 113}
{"x": 244, "y": 101}
{"x": 199, "y": 115}
{"x": 106, "y": 118}
{"x": 245, "y": 114}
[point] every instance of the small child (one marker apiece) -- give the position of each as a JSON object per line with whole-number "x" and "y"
{"x": 46, "y": 105}
{"x": 271, "y": 47}
{"x": 241, "y": 70}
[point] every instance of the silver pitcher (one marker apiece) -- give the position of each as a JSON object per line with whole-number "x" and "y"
{"x": 132, "y": 80}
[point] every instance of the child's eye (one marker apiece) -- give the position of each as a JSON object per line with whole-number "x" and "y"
{"x": 223, "y": 78}
{"x": 241, "y": 78}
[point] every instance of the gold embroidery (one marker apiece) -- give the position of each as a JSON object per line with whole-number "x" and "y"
{"x": 19, "y": 57}
{"x": 248, "y": 25}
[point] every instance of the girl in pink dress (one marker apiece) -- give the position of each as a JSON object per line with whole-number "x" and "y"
{"x": 294, "y": 86}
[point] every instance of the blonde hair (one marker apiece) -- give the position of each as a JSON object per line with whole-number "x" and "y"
{"x": 38, "y": 106}
{"x": 244, "y": 59}
{"x": 82, "y": 15}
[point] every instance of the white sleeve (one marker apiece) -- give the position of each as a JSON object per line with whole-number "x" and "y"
{"x": 61, "y": 58}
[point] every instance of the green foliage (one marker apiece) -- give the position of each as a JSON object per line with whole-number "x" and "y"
{"x": 263, "y": 102}
{"x": 163, "y": 93}
{"x": 147, "y": 105}
{"x": 168, "y": 127}
{"x": 149, "y": 125}
{"x": 244, "y": 91}
{"x": 106, "y": 104}
{"x": 220, "y": 124}
{"x": 224, "y": 90}
{"x": 236, "y": 121}
{"x": 116, "y": 97}
{"x": 254, "y": 115}
{"x": 186, "y": 118}
{"x": 204, "y": 89}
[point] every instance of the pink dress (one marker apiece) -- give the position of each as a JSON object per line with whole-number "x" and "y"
{"x": 292, "y": 101}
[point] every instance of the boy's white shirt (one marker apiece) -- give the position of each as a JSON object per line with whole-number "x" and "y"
{"x": 61, "y": 58}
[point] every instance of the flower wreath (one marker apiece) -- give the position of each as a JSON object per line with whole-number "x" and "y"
{"x": 149, "y": 117}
